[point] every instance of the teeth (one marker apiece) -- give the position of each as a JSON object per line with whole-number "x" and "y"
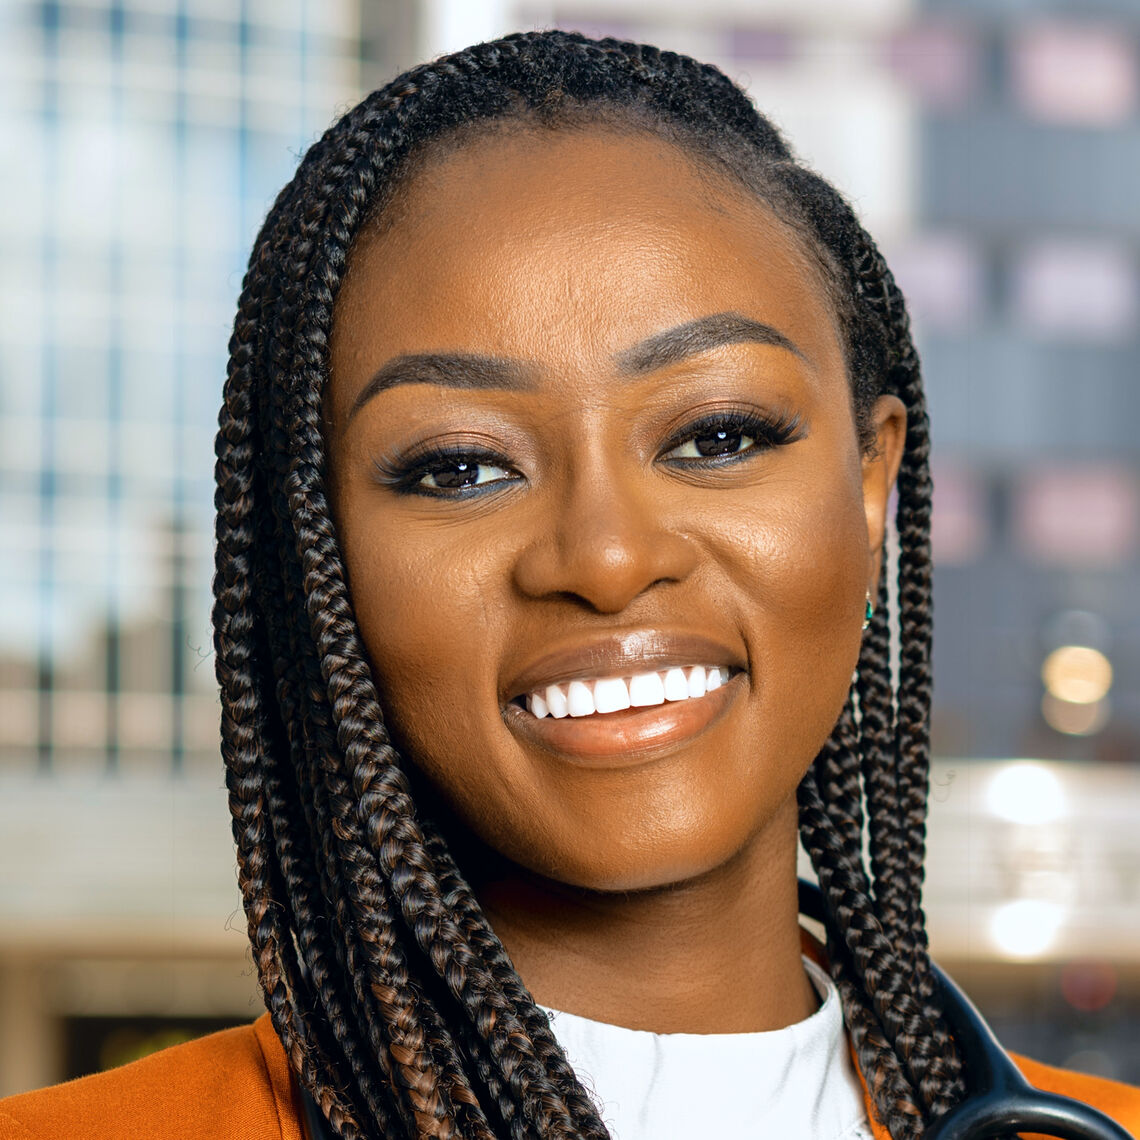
{"x": 612, "y": 694}
{"x": 676, "y": 685}
{"x": 646, "y": 689}
{"x": 556, "y": 701}
{"x": 579, "y": 699}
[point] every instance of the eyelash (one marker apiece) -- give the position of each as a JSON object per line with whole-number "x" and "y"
{"x": 766, "y": 431}
{"x": 406, "y": 476}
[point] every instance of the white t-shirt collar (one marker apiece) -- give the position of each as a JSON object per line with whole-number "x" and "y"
{"x": 797, "y": 1083}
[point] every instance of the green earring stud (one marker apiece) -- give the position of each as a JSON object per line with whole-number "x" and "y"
{"x": 869, "y": 612}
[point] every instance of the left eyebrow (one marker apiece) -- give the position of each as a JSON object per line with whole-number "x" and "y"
{"x": 694, "y": 337}
{"x": 445, "y": 369}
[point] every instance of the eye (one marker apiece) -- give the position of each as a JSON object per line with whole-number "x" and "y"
{"x": 446, "y": 472}
{"x": 456, "y": 474}
{"x": 727, "y": 436}
{"x": 712, "y": 443}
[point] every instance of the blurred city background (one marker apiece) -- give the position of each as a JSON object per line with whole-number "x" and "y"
{"x": 993, "y": 146}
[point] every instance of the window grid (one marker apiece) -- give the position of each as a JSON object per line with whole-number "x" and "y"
{"x": 152, "y": 136}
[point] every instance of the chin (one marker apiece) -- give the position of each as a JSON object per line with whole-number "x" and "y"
{"x": 640, "y": 859}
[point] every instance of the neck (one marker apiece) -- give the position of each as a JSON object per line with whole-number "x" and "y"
{"x": 719, "y": 953}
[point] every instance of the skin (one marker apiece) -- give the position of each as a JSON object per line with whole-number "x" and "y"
{"x": 656, "y": 888}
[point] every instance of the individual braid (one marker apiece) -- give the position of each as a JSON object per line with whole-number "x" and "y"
{"x": 397, "y": 1004}
{"x": 242, "y": 674}
{"x": 301, "y": 810}
{"x": 915, "y": 582}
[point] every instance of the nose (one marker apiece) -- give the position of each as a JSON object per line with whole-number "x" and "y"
{"x": 603, "y": 549}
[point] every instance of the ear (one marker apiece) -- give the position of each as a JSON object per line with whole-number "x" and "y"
{"x": 880, "y": 469}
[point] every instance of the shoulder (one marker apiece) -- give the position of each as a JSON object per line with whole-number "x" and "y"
{"x": 1120, "y": 1101}
{"x": 233, "y": 1085}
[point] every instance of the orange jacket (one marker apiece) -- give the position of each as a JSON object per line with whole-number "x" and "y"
{"x": 236, "y": 1085}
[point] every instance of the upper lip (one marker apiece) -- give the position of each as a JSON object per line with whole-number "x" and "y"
{"x": 621, "y": 653}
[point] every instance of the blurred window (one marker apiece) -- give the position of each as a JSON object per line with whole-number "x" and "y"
{"x": 940, "y": 65}
{"x": 960, "y": 524}
{"x": 19, "y": 723}
{"x": 1085, "y": 289}
{"x": 80, "y": 720}
{"x": 81, "y": 388}
{"x": 21, "y": 397}
{"x": 144, "y": 719}
{"x": 1078, "y": 515}
{"x": 50, "y": 15}
{"x": 943, "y": 277}
{"x": 1073, "y": 73}
{"x": 758, "y": 45}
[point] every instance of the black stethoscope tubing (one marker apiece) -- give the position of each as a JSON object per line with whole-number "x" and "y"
{"x": 1000, "y": 1101}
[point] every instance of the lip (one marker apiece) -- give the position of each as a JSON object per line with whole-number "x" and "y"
{"x": 621, "y": 655}
{"x": 632, "y": 736}
{"x": 627, "y": 738}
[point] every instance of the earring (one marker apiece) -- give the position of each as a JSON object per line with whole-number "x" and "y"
{"x": 869, "y": 612}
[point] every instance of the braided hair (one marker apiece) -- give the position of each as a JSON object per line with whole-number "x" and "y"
{"x": 396, "y": 1003}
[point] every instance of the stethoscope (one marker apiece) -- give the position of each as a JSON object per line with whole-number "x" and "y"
{"x": 1000, "y": 1102}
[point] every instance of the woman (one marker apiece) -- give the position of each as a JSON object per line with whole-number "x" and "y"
{"x": 563, "y": 412}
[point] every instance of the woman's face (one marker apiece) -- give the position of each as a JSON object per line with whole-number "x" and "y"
{"x": 590, "y": 438}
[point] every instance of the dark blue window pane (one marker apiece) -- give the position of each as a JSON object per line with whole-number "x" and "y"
{"x": 50, "y": 15}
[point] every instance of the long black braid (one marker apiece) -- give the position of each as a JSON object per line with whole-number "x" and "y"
{"x": 396, "y": 1003}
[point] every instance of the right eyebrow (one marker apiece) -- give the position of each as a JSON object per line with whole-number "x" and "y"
{"x": 446, "y": 369}
{"x": 701, "y": 335}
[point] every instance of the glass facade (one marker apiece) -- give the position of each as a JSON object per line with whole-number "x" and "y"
{"x": 142, "y": 144}
{"x": 1033, "y": 175}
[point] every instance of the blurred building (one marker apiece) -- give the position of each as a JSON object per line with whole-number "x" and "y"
{"x": 142, "y": 143}
{"x": 991, "y": 148}
{"x": 1026, "y": 279}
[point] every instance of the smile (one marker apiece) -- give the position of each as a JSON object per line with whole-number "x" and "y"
{"x": 601, "y": 695}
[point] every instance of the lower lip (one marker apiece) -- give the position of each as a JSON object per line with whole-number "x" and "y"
{"x": 629, "y": 737}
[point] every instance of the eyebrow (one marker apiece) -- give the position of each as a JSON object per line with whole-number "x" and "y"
{"x": 475, "y": 371}
{"x": 446, "y": 370}
{"x": 714, "y": 331}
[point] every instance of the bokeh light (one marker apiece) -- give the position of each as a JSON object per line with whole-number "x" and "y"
{"x": 1095, "y": 1062}
{"x": 1078, "y": 674}
{"x": 1074, "y": 718}
{"x": 1026, "y": 793}
{"x": 1026, "y": 928}
{"x": 1089, "y": 986}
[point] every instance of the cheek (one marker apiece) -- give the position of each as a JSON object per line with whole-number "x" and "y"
{"x": 427, "y": 613}
{"x": 803, "y": 559}
{"x": 822, "y": 579}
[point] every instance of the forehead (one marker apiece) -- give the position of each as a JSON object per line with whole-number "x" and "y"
{"x": 568, "y": 246}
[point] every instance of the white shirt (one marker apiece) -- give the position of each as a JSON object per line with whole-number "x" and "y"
{"x": 797, "y": 1083}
